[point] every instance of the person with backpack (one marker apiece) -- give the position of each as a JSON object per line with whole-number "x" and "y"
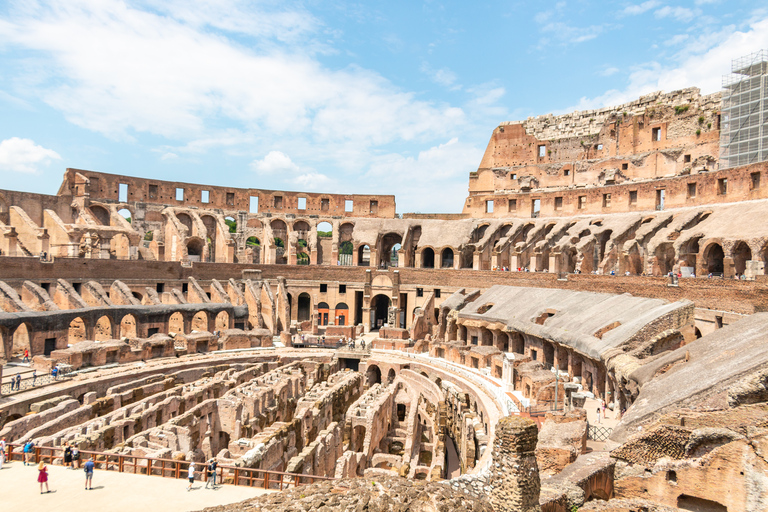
{"x": 75, "y": 457}
{"x": 89, "y": 465}
{"x": 29, "y": 449}
{"x": 211, "y": 473}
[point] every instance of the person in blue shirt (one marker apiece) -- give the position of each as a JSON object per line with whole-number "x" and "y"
{"x": 89, "y": 474}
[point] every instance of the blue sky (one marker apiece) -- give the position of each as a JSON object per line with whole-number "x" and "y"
{"x": 374, "y": 97}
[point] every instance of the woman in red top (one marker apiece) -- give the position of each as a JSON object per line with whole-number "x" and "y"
{"x": 42, "y": 476}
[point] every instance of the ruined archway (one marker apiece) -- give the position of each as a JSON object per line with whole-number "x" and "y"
{"x": 21, "y": 340}
{"x": 373, "y": 375}
{"x": 200, "y": 321}
{"x": 391, "y": 375}
{"x": 427, "y": 258}
{"x": 77, "y": 331}
{"x": 103, "y": 329}
{"x": 222, "y": 321}
{"x": 324, "y": 243}
{"x": 128, "y": 326}
{"x": 665, "y": 258}
{"x": 714, "y": 255}
{"x": 741, "y": 255}
{"x": 253, "y": 250}
{"x": 176, "y": 323}
{"x": 304, "y": 311}
{"x": 379, "y": 311}
{"x": 195, "y": 248}
{"x": 364, "y": 256}
{"x": 101, "y": 214}
{"x": 185, "y": 221}
{"x": 389, "y": 245}
{"x": 120, "y": 247}
{"x": 446, "y": 258}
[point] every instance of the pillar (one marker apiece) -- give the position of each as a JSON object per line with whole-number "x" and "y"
{"x": 514, "y": 479}
{"x": 12, "y": 237}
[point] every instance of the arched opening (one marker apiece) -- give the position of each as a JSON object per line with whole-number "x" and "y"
{"x": 389, "y": 245}
{"x": 101, "y": 214}
{"x": 502, "y": 341}
{"x": 200, "y": 321}
{"x": 379, "y": 310}
{"x": 741, "y": 255}
{"x": 427, "y": 258}
{"x": 697, "y": 332}
{"x": 341, "y": 314}
{"x": 302, "y": 258}
{"x": 253, "y": 250}
{"x": 128, "y": 327}
{"x": 400, "y": 412}
{"x": 5, "y": 345}
{"x": 231, "y": 224}
{"x": 185, "y": 221}
{"x": 210, "y": 229}
{"x": 195, "y": 249}
{"x": 363, "y": 256}
{"x": 714, "y": 257}
{"x": 467, "y": 257}
{"x": 126, "y": 214}
{"x": 305, "y": 307}
{"x": 324, "y": 243}
{"x": 77, "y": 331}
{"x": 391, "y": 376}
{"x": 516, "y": 343}
{"x": 345, "y": 253}
{"x": 103, "y": 329}
{"x": 176, "y": 323}
{"x": 373, "y": 375}
{"x": 280, "y": 235}
{"x": 446, "y": 258}
{"x": 322, "y": 313}
{"x": 358, "y": 438}
{"x": 569, "y": 261}
{"x": 665, "y": 258}
{"x": 89, "y": 246}
{"x": 222, "y": 321}
{"x": 21, "y": 341}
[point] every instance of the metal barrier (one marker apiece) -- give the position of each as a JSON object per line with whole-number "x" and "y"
{"x": 42, "y": 379}
{"x": 598, "y": 433}
{"x": 169, "y": 468}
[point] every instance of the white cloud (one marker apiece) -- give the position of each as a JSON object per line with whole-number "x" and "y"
{"x": 679, "y": 13}
{"x": 275, "y": 162}
{"x": 23, "y": 155}
{"x": 444, "y": 76}
{"x": 701, "y": 62}
{"x": 312, "y": 181}
{"x": 114, "y": 68}
{"x": 675, "y": 40}
{"x": 635, "y": 9}
{"x": 609, "y": 71}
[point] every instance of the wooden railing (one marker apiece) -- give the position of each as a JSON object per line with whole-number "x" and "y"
{"x": 168, "y": 468}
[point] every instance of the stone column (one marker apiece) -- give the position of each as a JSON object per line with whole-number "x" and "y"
{"x": 514, "y": 478}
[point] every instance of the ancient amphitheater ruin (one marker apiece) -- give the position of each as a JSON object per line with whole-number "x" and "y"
{"x": 588, "y": 334}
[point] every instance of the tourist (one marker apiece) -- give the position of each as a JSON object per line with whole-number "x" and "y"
{"x": 29, "y": 451}
{"x": 34, "y": 377}
{"x": 598, "y": 415}
{"x": 211, "y": 473}
{"x": 2, "y": 452}
{"x": 55, "y": 372}
{"x": 89, "y": 465}
{"x": 18, "y": 382}
{"x": 75, "y": 457}
{"x": 26, "y": 356}
{"x": 13, "y": 384}
{"x": 67, "y": 456}
{"x": 191, "y": 475}
{"x": 42, "y": 476}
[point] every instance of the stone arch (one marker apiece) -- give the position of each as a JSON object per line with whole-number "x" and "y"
{"x": 427, "y": 258}
{"x": 364, "y": 255}
{"x": 379, "y": 310}
{"x": 486, "y": 337}
{"x": 665, "y": 258}
{"x": 195, "y": 248}
{"x": 516, "y": 342}
{"x": 304, "y": 311}
{"x": 21, "y": 339}
{"x": 186, "y": 221}
{"x": 301, "y": 227}
{"x": 346, "y": 231}
{"x": 446, "y": 258}
{"x": 466, "y": 257}
{"x": 102, "y": 331}
{"x": 77, "y": 332}
{"x": 222, "y": 321}
{"x": 200, "y": 321}
{"x": 391, "y": 375}
{"x": 741, "y": 253}
{"x": 502, "y": 341}
{"x": 6, "y": 347}
{"x": 388, "y": 246}
{"x": 570, "y": 258}
{"x": 358, "y": 438}
{"x": 713, "y": 257}
{"x": 101, "y": 214}
{"x": 128, "y": 327}
{"x": 253, "y": 244}
{"x": 176, "y": 323}
{"x": 372, "y": 375}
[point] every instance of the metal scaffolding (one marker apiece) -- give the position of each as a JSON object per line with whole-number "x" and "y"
{"x": 744, "y": 114}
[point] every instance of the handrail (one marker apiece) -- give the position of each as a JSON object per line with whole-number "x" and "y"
{"x": 169, "y": 468}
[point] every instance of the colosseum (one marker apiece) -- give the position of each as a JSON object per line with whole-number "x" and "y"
{"x": 589, "y": 333}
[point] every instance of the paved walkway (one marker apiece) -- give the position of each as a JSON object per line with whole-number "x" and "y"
{"x": 112, "y": 491}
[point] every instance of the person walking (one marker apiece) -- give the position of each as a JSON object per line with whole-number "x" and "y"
{"x": 211, "y": 473}
{"x": 89, "y": 465}
{"x": 18, "y": 382}
{"x": 28, "y": 447}
{"x": 42, "y": 476}
{"x": 191, "y": 475}
{"x": 26, "y": 356}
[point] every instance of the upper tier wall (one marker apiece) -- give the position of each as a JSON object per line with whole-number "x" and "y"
{"x": 106, "y": 187}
